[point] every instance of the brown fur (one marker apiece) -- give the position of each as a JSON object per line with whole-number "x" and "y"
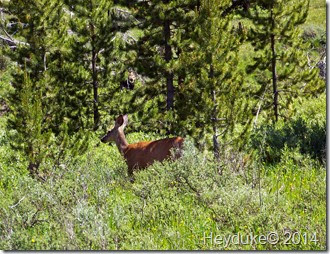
{"x": 142, "y": 154}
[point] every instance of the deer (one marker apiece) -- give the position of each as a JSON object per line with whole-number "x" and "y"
{"x": 142, "y": 154}
{"x": 129, "y": 82}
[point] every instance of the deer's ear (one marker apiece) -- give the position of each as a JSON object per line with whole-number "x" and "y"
{"x": 125, "y": 120}
{"x": 119, "y": 121}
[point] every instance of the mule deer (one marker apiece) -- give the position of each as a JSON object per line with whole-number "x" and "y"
{"x": 142, "y": 154}
{"x": 129, "y": 82}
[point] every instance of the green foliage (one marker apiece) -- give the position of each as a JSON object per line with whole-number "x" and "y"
{"x": 280, "y": 61}
{"x": 27, "y": 119}
{"x": 59, "y": 79}
{"x": 89, "y": 204}
{"x": 316, "y": 35}
{"x": 166, "y": 32}
{"x": 306, "y": 132}
{"x": 91, "y": 51}
{"x": 317, "y": 13}
{"x": 212, "y": 96}
{"x": 31, "y": 135}
{"x": 5, "y": 87}
{"x": 270, "y": 140}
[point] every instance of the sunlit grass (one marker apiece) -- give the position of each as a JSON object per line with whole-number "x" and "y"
{"x": 317, "y": 13}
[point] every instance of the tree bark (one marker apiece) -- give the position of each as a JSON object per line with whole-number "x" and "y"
{"x": 274, "y": 75}
{"x": 95, "y": 80}
{"x": 168, "y": 74}
{"x": 216, "y": 148}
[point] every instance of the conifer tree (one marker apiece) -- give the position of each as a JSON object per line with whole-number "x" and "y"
{"x": 214, "y": 94}
{"x": 81, "y": 62}
{"x": 38, "y": 129}
{"x": 26, "y": 103}
{"x": 96, "y": 57}
{"x": 32, "y": 26}
{"x": 28, "y": 117}
{"x": 166, "y": 27}
{"x": 280, "y": 61}
{"x": 32, "y": 136}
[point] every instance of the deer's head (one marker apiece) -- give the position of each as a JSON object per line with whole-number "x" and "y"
{"x": 131, "y": 76}
{"x": 117, "y": 130}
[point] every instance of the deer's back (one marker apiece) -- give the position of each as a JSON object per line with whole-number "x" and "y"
{"x": 142, "y": 154}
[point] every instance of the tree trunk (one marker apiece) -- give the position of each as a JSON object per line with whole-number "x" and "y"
{"x": 181, "y": 78}
{"x": 216, "y": 148}
{"x": 169, "y": 74}
{"x": 95, "y": 81}
{"x": 274, "y": 76}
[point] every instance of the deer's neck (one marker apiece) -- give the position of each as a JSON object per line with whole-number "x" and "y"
{"x": 121, "y": 142}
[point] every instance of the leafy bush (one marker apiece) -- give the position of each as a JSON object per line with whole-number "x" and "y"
{"x": 89, "y": 203}
{"x": 316, "y": 35}
{"x": 270, "y": 140}
{"x": 306, "y": 131}
{"x": 249, "y": 200}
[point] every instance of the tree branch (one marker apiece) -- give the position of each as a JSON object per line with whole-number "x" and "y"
{"x": 13, "y": 41}
{"x": 13, "y": 206}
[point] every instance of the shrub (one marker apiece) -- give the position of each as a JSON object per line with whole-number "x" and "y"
{"x": 316, "y": 35}
{"x": 306, "y": 131}
{"x": 270, "y": 140}
{"x": 89, "y": 203}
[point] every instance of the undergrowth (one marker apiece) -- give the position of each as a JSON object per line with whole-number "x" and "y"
{"x": 90, "y": 204}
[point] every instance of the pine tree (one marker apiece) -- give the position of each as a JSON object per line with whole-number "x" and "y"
{"x": 32, "y": 136}
{"x": 213, "y": 97}
{"x": 96, "y": 58}
{"x": 32, "y": 25}
{"x": 28, "y": 118}
{"x": 80, "y": 62}
{"x": 39, "y": 129}
{"x": 166, "y": 27}
{"x": 26, "y": 102}
{"x": 279, "y": 62}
